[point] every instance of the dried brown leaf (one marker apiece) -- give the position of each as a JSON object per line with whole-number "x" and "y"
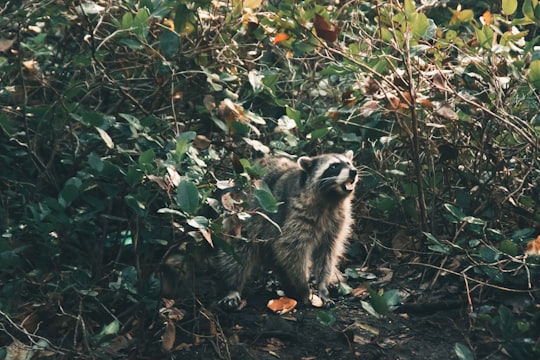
{"x": 169, "y": 336}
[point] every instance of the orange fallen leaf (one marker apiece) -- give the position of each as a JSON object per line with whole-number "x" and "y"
{"x": 280, "y": 37}
{"x": 282, "y": 305}
{"x": 486, "y": 18}
{"x": 533, "y": 247}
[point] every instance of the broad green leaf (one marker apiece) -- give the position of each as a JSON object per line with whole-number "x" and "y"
{"x": 199, "y": 222}
{"x": 132, "y": 120}
{"x": 378, "y": 302}
{"x": 509, "y": 247}
{"x": 455, "y": 212}
{"x": 109, "y": 330}
{"x": 7, "y": 124}
{"x": 392, "y": 297}
{"x": 409, "y": 7}
{"x": 169, "y": 43}
{"x": 183, "y": 143}
{"x": 300, "y": 48}
{"x": 507, "y": 322}
{"x": 463, "y": 352}
{"x": 509, "y": 6}
{"x": 369, "y": 308}
{"x": 134, "y": 175}
{"x": 134, "y": 204}
{"x": 127, "y": 21}
{"x": 473, "y": 220}
{"x": 187, "y": 197}
{"x": 465, "y": 15}
{"x": 266, "y": 200}
{"x": 534, "y": 73}
{"x": 488, "y": 254}
{"x": 419, "y": 25}
{"x": 344, "y": 289}
{"x": 147, "y": 157}
{"x": 70, "y": 191}
{"x": 319, "y": 133}
{"x": 529, "y": 9}
{"x": 326, "y": 318}
{"x": 140, "y": 23}
{"x": 523, "y": 234}
{"x": 484, "y": 36}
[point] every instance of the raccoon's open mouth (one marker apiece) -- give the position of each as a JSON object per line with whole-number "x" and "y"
{"x": 348, "y": 185}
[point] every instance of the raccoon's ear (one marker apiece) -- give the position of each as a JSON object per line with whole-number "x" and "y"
{"x": 349, "y": 154}
{"x": 305, "y": 162}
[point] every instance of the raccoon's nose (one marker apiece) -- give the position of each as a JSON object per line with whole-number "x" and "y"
{"x": 352, "y": 173}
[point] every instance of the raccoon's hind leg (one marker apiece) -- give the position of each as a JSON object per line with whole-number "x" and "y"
{"x": 292, "y": 262}
{"x": 236, "y": 270}
{"x": 326, "y": 272}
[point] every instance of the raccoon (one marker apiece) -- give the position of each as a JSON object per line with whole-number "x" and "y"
{"x": 314, "y": 220}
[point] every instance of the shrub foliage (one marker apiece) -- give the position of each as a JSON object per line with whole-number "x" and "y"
{"x": 125, "y": 123}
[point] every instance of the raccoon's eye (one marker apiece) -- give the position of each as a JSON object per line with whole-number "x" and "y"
{"x": 333, "y": 167}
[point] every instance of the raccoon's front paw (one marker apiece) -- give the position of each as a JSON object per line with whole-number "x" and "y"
{"x": 324, "y": 294}
{"x": 231, "y": 302}
{"x": 328, "y": 303}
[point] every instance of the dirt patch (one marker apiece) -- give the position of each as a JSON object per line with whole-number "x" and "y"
{"x": 256, "y": 333}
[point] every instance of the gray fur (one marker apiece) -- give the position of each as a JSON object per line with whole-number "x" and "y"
{"x": 315, "y": 221}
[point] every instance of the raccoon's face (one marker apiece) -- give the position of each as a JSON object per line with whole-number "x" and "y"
{"x": 333, "y": 174}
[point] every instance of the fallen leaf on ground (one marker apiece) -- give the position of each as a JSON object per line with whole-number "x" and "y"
{"x": 316, "y": 301}
{"x": 282, "y": 305}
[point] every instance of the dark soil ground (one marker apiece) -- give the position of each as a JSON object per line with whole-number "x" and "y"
{"x": 425, "y": 327}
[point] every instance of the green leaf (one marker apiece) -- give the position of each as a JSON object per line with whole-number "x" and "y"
{"x": 7, "y": 124}
{"x": 419, "y": 25}
{"x": 344, "y": 289}
{"x": 140, "y": 22}
{"x": 181, "y": 17}
{"x": 455, "y": 212}
{"x": 437, "y": 246}
{"x": 507, "y": 322}
{"x": 463, "y": 352}
{"x": 134, "y": 175}
{"x": 109, "y": 330}
{"x": 127, "y": 21}
{"x": 169, "y": 43}
{"x": 266, "y": 200}
{"x": 523, "y": 234}
{"x": 509, "y": 247}
{"x": 529, "y": 9}
{"x": 199, "y": 222}
{"x": 370, "y": 310}
{"x": 378, "y": 302}
{"x": 147, "y": 158}
{"x": 509, "y": 7}
{"x": 484, "y": 36}
{"x": 319, "y": 133}
{"x": 134, "y": 204}
{"x": 326, "y": 318}
{"x": 489, "y": 255}
{"x": 70, "y": 191}
{"x": 409, "y": 7}
{"x": 183, "y": 143}
{"x": 187, "y": 197}
{"x": 534, "y": 73}
{"x": 300, "y": 48}
{"x": 392, "y": 297}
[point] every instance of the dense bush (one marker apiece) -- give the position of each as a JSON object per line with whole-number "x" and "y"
{"x": 123, "y": 121}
